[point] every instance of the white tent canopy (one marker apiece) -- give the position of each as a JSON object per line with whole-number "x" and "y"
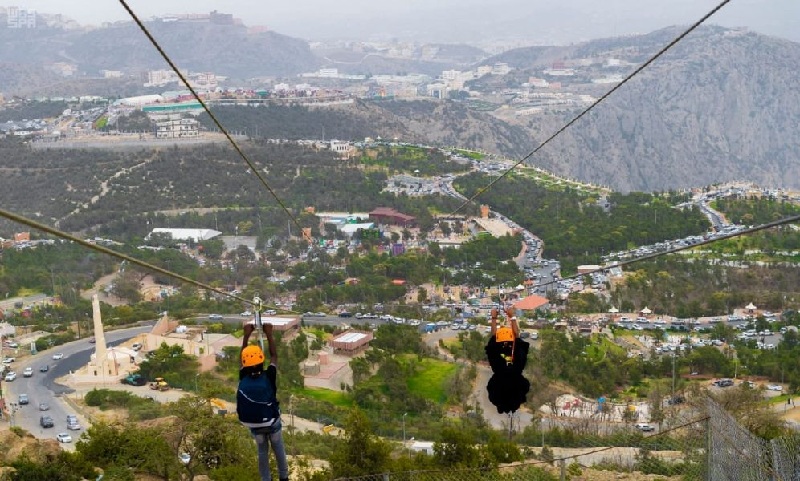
{"x": 646, "y": 310}
{"x": 613, "y": 310}
{"x": 750, "y": 306}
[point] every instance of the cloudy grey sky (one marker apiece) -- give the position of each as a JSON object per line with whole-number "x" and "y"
{"x": 473, "y": 21}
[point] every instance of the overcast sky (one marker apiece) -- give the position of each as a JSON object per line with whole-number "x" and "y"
{"x": 472, "y": 21}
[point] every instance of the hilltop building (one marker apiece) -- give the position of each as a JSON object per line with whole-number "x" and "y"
{"x": 177, "y": 129}
{"x": 21, "y": 18}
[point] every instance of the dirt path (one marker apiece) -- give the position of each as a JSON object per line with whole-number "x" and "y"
{"x": 99, "y": 289}
{"x": 104, "y": 189}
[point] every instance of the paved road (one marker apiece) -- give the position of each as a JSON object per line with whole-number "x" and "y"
{"x": 42, "y": 386}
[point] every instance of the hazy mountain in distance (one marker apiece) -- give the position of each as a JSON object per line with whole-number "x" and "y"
{"x": 230, "y": 50}
{"x": 721, "y": 106}
{"x": 477, "y": 22}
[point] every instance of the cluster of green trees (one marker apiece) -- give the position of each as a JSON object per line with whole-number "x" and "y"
{"x": 755, "y": 211}
{"x": 575, "y": 228}
{"x": 682, "y": 288}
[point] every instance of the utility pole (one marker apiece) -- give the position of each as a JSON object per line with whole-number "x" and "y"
{"x": 404, "y": 432}
{"x": 673, "y": 375}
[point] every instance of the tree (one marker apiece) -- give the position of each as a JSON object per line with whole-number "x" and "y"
{"x": 456, "y": 447}
{"x": 213, "y": 442}
{"x": 361, "y": 453}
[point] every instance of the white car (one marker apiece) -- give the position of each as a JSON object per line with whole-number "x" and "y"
{"x": 64, "y": 438}
{"x": 775, "y": 387}
{"x": 58, "y": 356}
{"x": 28, "y": 372}
{"x": 185, "y": 458}
{"x": 11, "y": 376}
{"x": 8, "y": 360}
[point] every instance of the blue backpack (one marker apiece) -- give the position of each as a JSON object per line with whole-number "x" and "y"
{"x": 256, "y": 403}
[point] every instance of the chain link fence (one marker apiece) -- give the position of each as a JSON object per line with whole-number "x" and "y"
{"x": 711, "y": 447}
{"x": 736, "y": 454}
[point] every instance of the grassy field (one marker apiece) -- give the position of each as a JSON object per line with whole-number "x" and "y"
{"x": 431, "y": 379}
{"x": 336, "y": 398}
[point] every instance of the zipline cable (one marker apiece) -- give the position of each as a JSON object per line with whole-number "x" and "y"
{"x": 258, "y": 303}
{"x": 64, "y": 235}
{"x": 213, "y": 117}
{"x": 595, "y": 104}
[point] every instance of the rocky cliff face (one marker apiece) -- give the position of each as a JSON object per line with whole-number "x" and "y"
{"x": 721, "y": 106}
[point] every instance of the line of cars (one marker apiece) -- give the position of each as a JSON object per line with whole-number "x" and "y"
{"x": 73, "y": 424}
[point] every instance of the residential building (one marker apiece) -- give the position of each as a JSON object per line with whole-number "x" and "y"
{"x": 177, "y": 129}
{"x": 500, "y": 68}
{"x": 21, "y": 18}
{"x": 111, "y": 73}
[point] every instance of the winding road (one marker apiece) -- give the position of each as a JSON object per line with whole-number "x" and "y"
{"x": 43, "y": 387}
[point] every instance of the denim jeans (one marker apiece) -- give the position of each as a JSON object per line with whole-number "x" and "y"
{"x": 264, "y": 437}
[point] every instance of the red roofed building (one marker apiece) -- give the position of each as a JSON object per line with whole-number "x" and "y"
{"x": 531, "y": 303}
{"x": 387, "y": 215}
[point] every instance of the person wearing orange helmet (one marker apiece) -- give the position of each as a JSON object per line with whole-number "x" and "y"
{"x": 257, "y": 403}
{"x": 507, "y": 354}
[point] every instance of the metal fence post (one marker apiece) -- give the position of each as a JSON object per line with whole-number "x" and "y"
{"x": 708, "y": 448}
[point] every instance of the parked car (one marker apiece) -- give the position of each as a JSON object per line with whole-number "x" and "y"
{"x": 136, "y": 346}
{"x": 11, "y": 376}
{"x": 644, "y": 427}
{"x": 64, "y": 438}
{"x": 58, "y": 356}
{"x": 8, "y": 360}
{"x": 215, "y": 317}
{"x": 28, "y": 372}
{"x": 46, "y": 422}
{"x": 775, "y": 387}
{"x": 185, "y": 458}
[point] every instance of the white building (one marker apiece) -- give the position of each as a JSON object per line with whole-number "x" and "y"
{"x": 111, "y": 73}
{"x": 343, "y": 149}
{"x": 177, "y": 129}
{"x": 139, "y": 100}
{"x": 437, "y": 90}
{"x": 196, "y": 235}
{"x": 328, "y": 72}
{"x": 21, "y": 18}
{"x": 158, "y": 78}
{"x": 450, "y": 74}
{"x": 500, "y": 69}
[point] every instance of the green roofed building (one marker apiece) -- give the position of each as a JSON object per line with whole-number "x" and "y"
{"x": 174, "y": 107}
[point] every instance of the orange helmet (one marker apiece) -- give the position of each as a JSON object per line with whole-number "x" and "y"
{"x": 504, "y": 334}
{"x": 252, "y": 356}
